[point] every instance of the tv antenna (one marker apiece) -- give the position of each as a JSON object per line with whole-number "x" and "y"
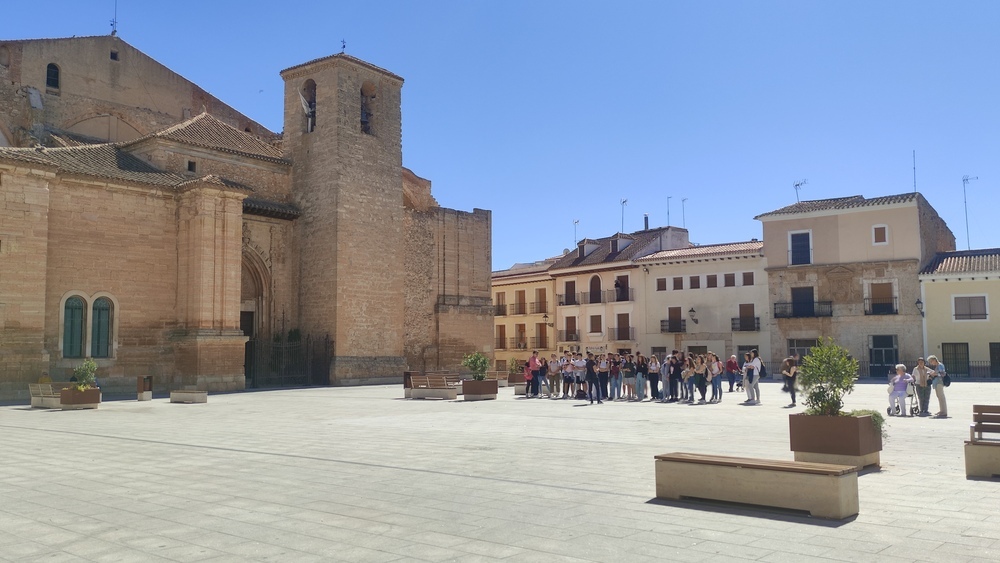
{"x": 798, "y": 185}
{"x": 575, "y": 223}
{"x": 343, "y": 46}
{"x": 114, "y": 21}
{"x": 965, "y": 182}
{"x": 683, "y": 215}
{"x": 668, "y": 211}
{"x": 624, "y": 203}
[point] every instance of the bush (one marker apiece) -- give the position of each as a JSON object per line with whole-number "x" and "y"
{"x": 478, "y": 363}
{"x": 86, "y": 374}
{"x": 827, "y": 375}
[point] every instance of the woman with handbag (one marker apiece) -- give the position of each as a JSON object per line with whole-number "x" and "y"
{"x": 939, "y": 383}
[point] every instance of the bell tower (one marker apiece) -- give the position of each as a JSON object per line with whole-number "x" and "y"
{"x": 343, "y": 135}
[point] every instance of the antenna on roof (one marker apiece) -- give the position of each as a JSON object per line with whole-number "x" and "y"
{"x": 575, "y": 223}
{"x": 914, "y": 171}
{"x": 797, "y": 186}
{"x": 624, "y": 203}
{"x": 114, "y": 21}
{"x": 343, "y": 46}
{"x": 965, "y": 182}
{"x": 684, "y": 222}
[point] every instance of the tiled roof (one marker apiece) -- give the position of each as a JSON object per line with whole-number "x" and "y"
{"x": 986, "y": 260}
{"x": 522, "y": 269}
{"x": 215, "y": 180}
{"x": 706, "y": 251}
{"x": 265, "y": 208}
{"x": 100, "y": 161}
{"x": 602, "y": 254}
{"x": 204, "y": 130}
{"x": 345, "y": 57}
{"x": 840, "y": 203}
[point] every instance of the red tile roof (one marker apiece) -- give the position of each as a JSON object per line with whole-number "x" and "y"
{"x": 101, "y": 161}
{"x": 841, "y": 203}
{"x": 345, "y": 57}
{"x": 603, "y": 254}
{"x": 980, "y": 261}
{"x": 706, "y": 251}
{"x": 204, "y": 130}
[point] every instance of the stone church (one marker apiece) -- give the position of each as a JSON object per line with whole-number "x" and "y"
{"x": 150, "y": 226}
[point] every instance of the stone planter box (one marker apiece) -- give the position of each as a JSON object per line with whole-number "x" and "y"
{"x": 188, "y": 396}
{"x": 71, "y": 399}
{"x": 483, "y": 390}
{"x": 841, "y": 440}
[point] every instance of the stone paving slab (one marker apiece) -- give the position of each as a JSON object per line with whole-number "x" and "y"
{"x": 360, "y": 474}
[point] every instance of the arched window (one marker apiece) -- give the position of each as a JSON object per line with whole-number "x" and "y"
{"x": 595, "y": 289}
{"x": 52, "y": 76}
{"x": 367, "y": 107}
{"x": 73, "y": 328}
{"x": 308, "y": 99}
{"x": 100, "y": 336}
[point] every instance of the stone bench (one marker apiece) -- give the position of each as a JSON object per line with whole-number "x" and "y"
{"x": 982, "y": 454}
{"x": 188, "y": 396}
{"x": 823, "y": 490}
{"x": 47, "y": 395}
{"x": 432, "y": 387}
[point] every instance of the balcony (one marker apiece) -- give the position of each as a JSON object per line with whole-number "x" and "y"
{"x": 667, "y": 325}
{"x": 621, "y": 333}
{"x": 518, "y": 308}
{"x": 619, "y": 295}
{"x": 569, "y": 336}
{"x": 746, "y": 324}
{"x": 881, "y": 306}
{"x": 500, "y": 310}
{"x": 591, "y": 297}
{"x": 539, "y": 307}
{"x": 803, "y": 309}
{"x": 500, "y": 343}
{"x": 539, "y": 343}
{"x": 517, "y": 343}
{"x": 568, "y": 299}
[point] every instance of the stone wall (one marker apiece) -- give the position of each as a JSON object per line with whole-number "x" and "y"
{"x": 934, "y": 232}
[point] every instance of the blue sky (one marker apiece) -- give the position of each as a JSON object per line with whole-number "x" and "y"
{"x": 546, "y": 112}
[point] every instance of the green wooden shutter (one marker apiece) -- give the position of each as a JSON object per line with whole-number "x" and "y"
{"x": 73, "y": 328}
{"x": 100, "y": 346}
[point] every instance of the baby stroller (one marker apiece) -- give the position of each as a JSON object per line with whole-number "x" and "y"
{"x": 911, "y": 397}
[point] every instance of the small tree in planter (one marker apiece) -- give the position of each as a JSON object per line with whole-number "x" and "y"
{"x": 83, "y": 394}
{"x": 825, "y": 433}
{"x": 479, "y": 388}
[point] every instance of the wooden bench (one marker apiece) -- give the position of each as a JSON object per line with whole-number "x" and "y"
{"x": 47, "y": 395}
{"x": 500, "y": 376}
{"x": 823, "y": 490}
{"x": 432, "y": 387}
{"x": 188, "y": 396}
{"x": 982, "y": 454}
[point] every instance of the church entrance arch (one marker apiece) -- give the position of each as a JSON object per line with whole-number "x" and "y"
{"x": 255, "y": 311}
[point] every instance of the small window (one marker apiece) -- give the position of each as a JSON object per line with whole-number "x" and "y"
{"x": 800, "y": 248}
{"x": 678, "y": 283}
{"x": 971, "y": 308}
{"x": 880, "y": 234}
{"x": 114, "y": 55}
{"x": 192, "y": 167}
{"x": 661, "y": 284}
{"x": 308, "y": 98}
{"x": 747, "y": 278}
{"x": 595, "y": 323}
{"x": 695, "y": 282}
{"x": 73, "y": 328}
{"x": 52, "y": 76}
{"x": 712, "y": 280}
{"x": 368, "y": 92}
{"x": 730, "y": 280}
{"x": 100, "y": 337}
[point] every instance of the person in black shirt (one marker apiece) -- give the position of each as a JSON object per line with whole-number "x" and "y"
{"x": 593, "y": 386}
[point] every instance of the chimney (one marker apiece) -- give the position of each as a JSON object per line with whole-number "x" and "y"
{"x": 645, "y": 221}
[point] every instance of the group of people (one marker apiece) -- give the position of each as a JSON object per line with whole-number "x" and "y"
{"x": 627, "y": 377}
{"x": 925, "y": 376}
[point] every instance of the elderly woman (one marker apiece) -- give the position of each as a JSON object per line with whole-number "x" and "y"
{"x": 897, "y": 398}
{"x": 922, "y": 381}
{"x": 937, "y": 381}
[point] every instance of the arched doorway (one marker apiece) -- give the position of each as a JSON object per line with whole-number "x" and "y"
{"x": 255, "y": 309}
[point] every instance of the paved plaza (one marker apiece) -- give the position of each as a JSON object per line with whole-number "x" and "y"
{"x": 360, "y": 474}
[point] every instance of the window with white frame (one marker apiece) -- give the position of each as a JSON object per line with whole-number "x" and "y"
{"x": 800, "y": 247}
{"x": 970, "y": 307}
{"x": 88, "y": 326}
{"x": 880, "y": 235}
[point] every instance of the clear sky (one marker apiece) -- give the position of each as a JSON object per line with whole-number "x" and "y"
{"x": 546, "y": 112}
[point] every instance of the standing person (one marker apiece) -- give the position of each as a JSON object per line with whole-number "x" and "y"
{"x": 535, "y": 366}
{"x": 641, "y": 369}
{"x": 526, "y": 369}
{"x": 753, "y": 378}
{"x": 593, "y": 389}
{"x": 687, "y": 382}
{"x": 701, "y": 377}
{"x": 567, "y": 373}
{"x": 616, "y": 378}
{"x": 715, "y": 369}
{"x": 654, "y": 379}
{"x": 554, "y": 375}
{"x": 628, "y": 374}
{"x": 789, "y": 369}
{"x": 937, "y": 381}
{"x": 603, "y": 369}
{"x": 676, "y": 366}
{"x": 579, "y": 375}
{"x": 922, "y": 381}
{"x": 732, "y": 368}
{"x": 897, "y": 399}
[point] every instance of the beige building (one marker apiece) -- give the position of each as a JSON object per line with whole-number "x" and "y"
{"x": 159, "y": 231}
{"x": 598, "y": 307}
{"x": 847, "y": 268}
{"x": 958, "y": 291}
{"x": 712, "y": 297}
{"x": 524, "y": 313}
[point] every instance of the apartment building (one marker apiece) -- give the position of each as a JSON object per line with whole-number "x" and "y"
{"x": 523, "y": 312}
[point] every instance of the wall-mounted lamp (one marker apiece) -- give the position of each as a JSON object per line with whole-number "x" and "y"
{"x": 545, "y": 319}
{"x": 920, "y": 306}
{"x": 645, "y": 269}
{"x": 691, "y": 313}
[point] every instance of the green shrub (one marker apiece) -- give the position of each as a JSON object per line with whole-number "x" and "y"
{"x": 478, "y": 364}
{"x": 86, "y": 374}
{"x": 827, "y": 375}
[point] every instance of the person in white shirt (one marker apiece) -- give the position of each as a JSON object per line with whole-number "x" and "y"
{"x": 752, "y": 371}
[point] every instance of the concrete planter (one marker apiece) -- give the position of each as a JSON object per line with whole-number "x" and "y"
{"x": 841, "y": 440}
{"x": 483, "y": 390}
{"x": 72, "y": 399}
